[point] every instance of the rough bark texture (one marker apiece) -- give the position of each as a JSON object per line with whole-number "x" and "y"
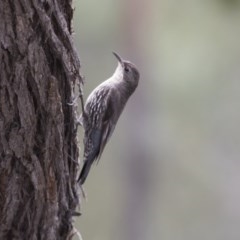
{"x": 38, "y": 145}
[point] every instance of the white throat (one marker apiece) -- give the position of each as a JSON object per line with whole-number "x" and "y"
{"x": 118, "y": 74}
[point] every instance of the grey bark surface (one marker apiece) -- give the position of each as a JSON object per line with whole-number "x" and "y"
{"x": 39, "y": 67}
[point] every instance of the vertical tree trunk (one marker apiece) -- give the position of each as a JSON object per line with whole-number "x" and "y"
{"x": 38, "y": 144}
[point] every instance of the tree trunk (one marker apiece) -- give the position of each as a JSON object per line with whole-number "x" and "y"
{"x": 39, "y": 67}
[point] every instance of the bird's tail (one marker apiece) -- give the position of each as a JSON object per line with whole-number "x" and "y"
{"x": 84, "y": 172}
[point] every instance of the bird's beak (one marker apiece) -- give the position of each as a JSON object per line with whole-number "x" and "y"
{"x": 118, "y": 57}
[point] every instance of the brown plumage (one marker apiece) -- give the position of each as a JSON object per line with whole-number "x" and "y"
{"x": 103, "y": 109}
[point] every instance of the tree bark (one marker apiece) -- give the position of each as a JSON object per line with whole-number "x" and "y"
{"x": 39, "y": 68}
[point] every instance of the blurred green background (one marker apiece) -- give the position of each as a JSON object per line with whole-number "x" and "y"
{"x": 172, "y": 167}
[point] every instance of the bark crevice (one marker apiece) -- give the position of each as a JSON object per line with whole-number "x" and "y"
{"x": 39, "y": 68}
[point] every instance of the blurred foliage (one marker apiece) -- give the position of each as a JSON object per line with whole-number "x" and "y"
{"x": 182, "y": 123}
{"x": 231, "y": 3}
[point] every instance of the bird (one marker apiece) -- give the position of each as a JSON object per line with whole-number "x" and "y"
{"x": 102, "y": 110}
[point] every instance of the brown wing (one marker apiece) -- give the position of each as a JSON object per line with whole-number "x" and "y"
{"x": 107, "y": 126}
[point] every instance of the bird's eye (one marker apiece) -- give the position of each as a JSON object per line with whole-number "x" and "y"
{"x": 126, "y": 69}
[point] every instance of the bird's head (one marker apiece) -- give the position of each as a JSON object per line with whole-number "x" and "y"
{"x": 127, "y": 70}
